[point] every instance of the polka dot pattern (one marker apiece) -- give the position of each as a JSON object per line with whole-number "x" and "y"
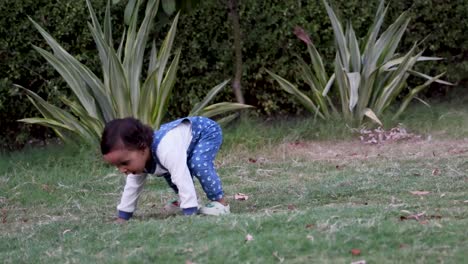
{"x": 206, "y": 141}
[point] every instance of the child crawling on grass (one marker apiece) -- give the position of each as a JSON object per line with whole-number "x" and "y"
{"x": 178, "y": 151}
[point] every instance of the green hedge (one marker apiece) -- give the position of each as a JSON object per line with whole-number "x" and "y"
{"x": 207, "y": 55}
{"x": 269, "y": 42}
{"x": 20, "y": 64}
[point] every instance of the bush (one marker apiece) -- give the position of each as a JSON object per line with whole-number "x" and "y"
{"x": 20, "y": 64}
{"x": 269, "y": 42}
{"x": 207, "y": 55}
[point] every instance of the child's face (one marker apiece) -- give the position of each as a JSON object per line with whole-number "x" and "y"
{"x": 128, "y": 160}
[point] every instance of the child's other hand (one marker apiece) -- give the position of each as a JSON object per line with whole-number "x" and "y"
{"x": 120, "y": 221}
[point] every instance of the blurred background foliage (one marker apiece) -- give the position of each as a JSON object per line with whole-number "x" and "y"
{"x": 205, "y": 37}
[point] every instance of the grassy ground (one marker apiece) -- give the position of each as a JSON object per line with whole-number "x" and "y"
{"x": 315, "y": 194}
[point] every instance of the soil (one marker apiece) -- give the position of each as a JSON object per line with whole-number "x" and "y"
{"x": 355, "y": 149}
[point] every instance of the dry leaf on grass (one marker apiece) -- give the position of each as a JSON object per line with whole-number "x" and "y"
{"x": 359, "y": 262}
{"x": 413, "y": 216}
{"x": 241, "y": 197}
{"x": 380, "y": 135}
{"x": 355, "y": 252}
{"x": 249, "y": 237}
{"x": 4, "y": 215}
{"x": 281, "y": 259}
{"x": 421, "y": 217}
{"x": 420, "y": 192}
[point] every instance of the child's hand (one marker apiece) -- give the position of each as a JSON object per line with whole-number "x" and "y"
{"x": 120, "y": 221}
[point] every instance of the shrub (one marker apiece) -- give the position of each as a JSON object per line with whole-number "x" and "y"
{"x": 368, "y": 75}
{"x": 120, "y": 93}
{"x": 207, "y": 57}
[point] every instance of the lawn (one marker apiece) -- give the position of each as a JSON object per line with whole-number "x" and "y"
{"x": 316, "y": 194}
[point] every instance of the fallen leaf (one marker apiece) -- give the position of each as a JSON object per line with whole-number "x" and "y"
{"x": 420, "y": 192}
{"x": 310, "y": 237}
{"x": 435, "y": 217}
{"x": 435, "y": 172}
{"x": 424, "y": 222}
{"x": 413, "y": 216}
{"x": 359, "y": 262}
{"x": 241, "y": 197}
{"x": 4, "y": 215}
{"x": 281, "y": 259}
{"x": 46, "y": 188}
{"x": 251, "y": 160}
{"x": 442, "y": 195}
{"x": 403, "y": 245}
{"x": 249, "y": 237}
{"x": 66, "y": 231}
{"x": 355, "y": 252}
{"x": 291, "y": 207}
{"x": 309, "y": 226}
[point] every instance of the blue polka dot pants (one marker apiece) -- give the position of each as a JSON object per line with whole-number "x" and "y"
{"x": 201, "y": 160}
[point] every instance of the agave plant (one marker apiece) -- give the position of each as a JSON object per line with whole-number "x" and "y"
{"x": 120, "y": 92}
{"x": 368, "y": 75}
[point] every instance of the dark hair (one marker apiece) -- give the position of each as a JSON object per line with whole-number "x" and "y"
{"x": 125, "y": 133}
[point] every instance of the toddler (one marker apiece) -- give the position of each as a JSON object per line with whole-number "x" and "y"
{"x": 178, "y": 151}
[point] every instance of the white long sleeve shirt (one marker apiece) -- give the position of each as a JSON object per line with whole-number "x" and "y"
{"x": 172, "y": 153}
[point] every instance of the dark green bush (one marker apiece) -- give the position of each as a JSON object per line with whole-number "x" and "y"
{"x": 207, "y": 54}
{"x": 269, "y": 42}
{"x": 20, "y": 64}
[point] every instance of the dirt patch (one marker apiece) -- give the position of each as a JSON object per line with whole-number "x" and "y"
{"x": 345, "y": 150}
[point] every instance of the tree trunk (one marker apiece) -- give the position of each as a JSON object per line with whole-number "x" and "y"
{"x": 236, "y": 84}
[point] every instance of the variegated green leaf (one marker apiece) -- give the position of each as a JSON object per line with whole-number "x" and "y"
{"x": 340, "y": 38}
{"x": 222, "y": 108}
{"x": 290, "y": 88}
{"x": 413, "y": 93}
{"x": 354, "y": 79}
{"x": 370, "y": 114}
{"x": 209, "y": 96}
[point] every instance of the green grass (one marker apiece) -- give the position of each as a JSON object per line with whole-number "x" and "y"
{"x": 57, "y": 204}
